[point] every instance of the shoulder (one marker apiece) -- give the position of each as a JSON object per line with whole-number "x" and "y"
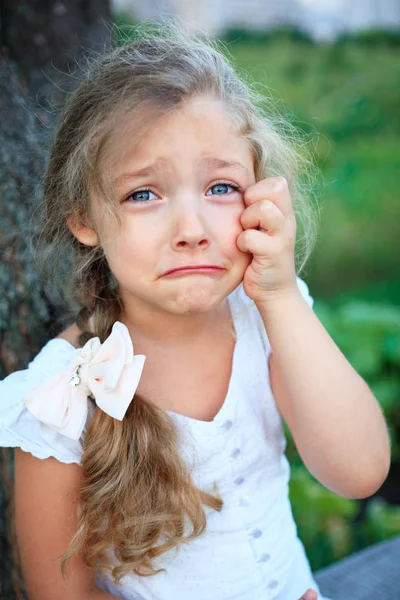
{"x": 18, "y": 427}
{"x": 70, "y": 334}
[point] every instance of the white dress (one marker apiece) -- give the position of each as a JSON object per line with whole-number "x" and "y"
{"x": 250, "y": 550}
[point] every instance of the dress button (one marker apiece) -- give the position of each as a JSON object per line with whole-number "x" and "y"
{"x": 256, "y": 533}
{"x": 272, "y": 584}
{"x": 264, "y": 558}
{"x": 227, "y": 424}
{"x": 239, "y": 480}
{"x": 235, "y": 453}
{"x": 244, "y": 502}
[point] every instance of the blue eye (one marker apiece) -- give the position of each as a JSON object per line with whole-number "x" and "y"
{"x": 141, "y": 196}
{"x": 222, "y": 188}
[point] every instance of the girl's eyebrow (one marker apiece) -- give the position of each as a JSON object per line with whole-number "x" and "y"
{"x": 207, "y": 161}
{"x": 218, "y": 163}
{"x": 145, "y": 172}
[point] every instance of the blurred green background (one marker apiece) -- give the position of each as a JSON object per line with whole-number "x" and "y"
{"x": 345, "y": 95}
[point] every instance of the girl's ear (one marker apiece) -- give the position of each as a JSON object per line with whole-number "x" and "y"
{"x": 85, "y": 234}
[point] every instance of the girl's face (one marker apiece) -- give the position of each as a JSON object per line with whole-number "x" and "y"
{"x": 180, "y": 190}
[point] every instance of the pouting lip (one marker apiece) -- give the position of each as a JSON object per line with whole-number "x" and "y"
{"x": 193, "y": 267}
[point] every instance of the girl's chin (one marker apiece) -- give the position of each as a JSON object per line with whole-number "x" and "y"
{"x": 195, "y": 300}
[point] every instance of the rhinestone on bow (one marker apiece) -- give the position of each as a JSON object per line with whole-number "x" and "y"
{"x": 75, "y": 379}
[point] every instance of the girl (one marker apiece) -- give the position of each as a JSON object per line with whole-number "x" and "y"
{"x": 150, "y": 450}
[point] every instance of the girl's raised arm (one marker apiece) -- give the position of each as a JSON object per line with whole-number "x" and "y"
{"x": 46, "y": 493}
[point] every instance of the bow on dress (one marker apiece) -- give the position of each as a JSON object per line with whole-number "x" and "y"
{"x": 109, "y": 372}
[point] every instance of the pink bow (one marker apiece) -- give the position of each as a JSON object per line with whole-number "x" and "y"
{"x": 109, "y": 372}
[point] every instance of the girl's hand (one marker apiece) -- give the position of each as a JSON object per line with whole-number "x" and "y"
{"x": 270, "y": 235}
{"x": 309, "y": 595}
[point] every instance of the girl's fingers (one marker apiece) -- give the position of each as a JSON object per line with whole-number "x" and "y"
{"x": 259, "y": 244}
{"x": 275, "y": 189}
{"x": 264, "y": 215}
{"x": 309, "y": 595}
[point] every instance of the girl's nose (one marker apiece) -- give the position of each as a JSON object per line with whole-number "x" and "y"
{"x": 190, "y": 227}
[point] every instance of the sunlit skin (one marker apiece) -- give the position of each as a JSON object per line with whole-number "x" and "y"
{"x": 187, "y": 216}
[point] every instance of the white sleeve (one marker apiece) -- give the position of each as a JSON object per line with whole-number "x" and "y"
{"x": 259, "y": 323}
{"x": 303, "y": 287}
{"x": 305, "y": 292}
{"x": 18, "y": 427}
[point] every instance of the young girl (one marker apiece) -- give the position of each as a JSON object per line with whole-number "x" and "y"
{"x": 150, "y": 450}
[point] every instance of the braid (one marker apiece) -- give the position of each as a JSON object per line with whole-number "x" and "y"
{"x": 101, "y": 305}
{"x": 134, "y": 474}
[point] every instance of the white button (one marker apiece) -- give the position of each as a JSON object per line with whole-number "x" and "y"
{"x": 239, "y": 480}
{"x": 235, "y": 453}
{"x": 272, "y": 584}
{"x": 256, "y": 533}
{"x": 244, "y": 502}
{"x": 264, "y": 558}
{"x": 227, "y": 424}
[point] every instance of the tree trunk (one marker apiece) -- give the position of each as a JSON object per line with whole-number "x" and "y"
{"x": 43, "y": 36}
{"x": 40, "y": 40}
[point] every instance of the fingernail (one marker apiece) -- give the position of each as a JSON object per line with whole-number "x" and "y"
{"x": 280, "y": 182}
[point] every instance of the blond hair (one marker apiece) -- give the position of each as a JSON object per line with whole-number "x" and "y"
{"x": 138, "y": 488}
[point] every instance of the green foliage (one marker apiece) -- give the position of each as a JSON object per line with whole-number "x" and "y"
{"x": 382, "y": 522}
{"x": 368, "y": 334}
{"x": 372, "y": 37}
{"x": 248, "y": 36}
{"x": 123, "y": 31}
{"x": 328, "y": 524}
{"x": 123, "y": 19}
{"x": 323, "y": 518}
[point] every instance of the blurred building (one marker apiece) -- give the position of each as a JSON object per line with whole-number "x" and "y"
{"x": 322, "y": 19}
{"x": 325, "y": 19}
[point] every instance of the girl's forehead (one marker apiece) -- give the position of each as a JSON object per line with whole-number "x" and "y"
{"x": 199, "y": 126}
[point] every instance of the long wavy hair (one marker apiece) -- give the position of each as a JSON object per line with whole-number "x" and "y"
{"x": 138, "y": 489}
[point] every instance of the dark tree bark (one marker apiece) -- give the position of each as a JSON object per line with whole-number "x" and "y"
{"x": 42, "y": 36}
{"x": 40, "y": 40}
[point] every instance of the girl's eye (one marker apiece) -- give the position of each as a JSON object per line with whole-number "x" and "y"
{"x": 144, "y": 196}
{"x": 141, "y": 196}
{"x": 222, "y": 188}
